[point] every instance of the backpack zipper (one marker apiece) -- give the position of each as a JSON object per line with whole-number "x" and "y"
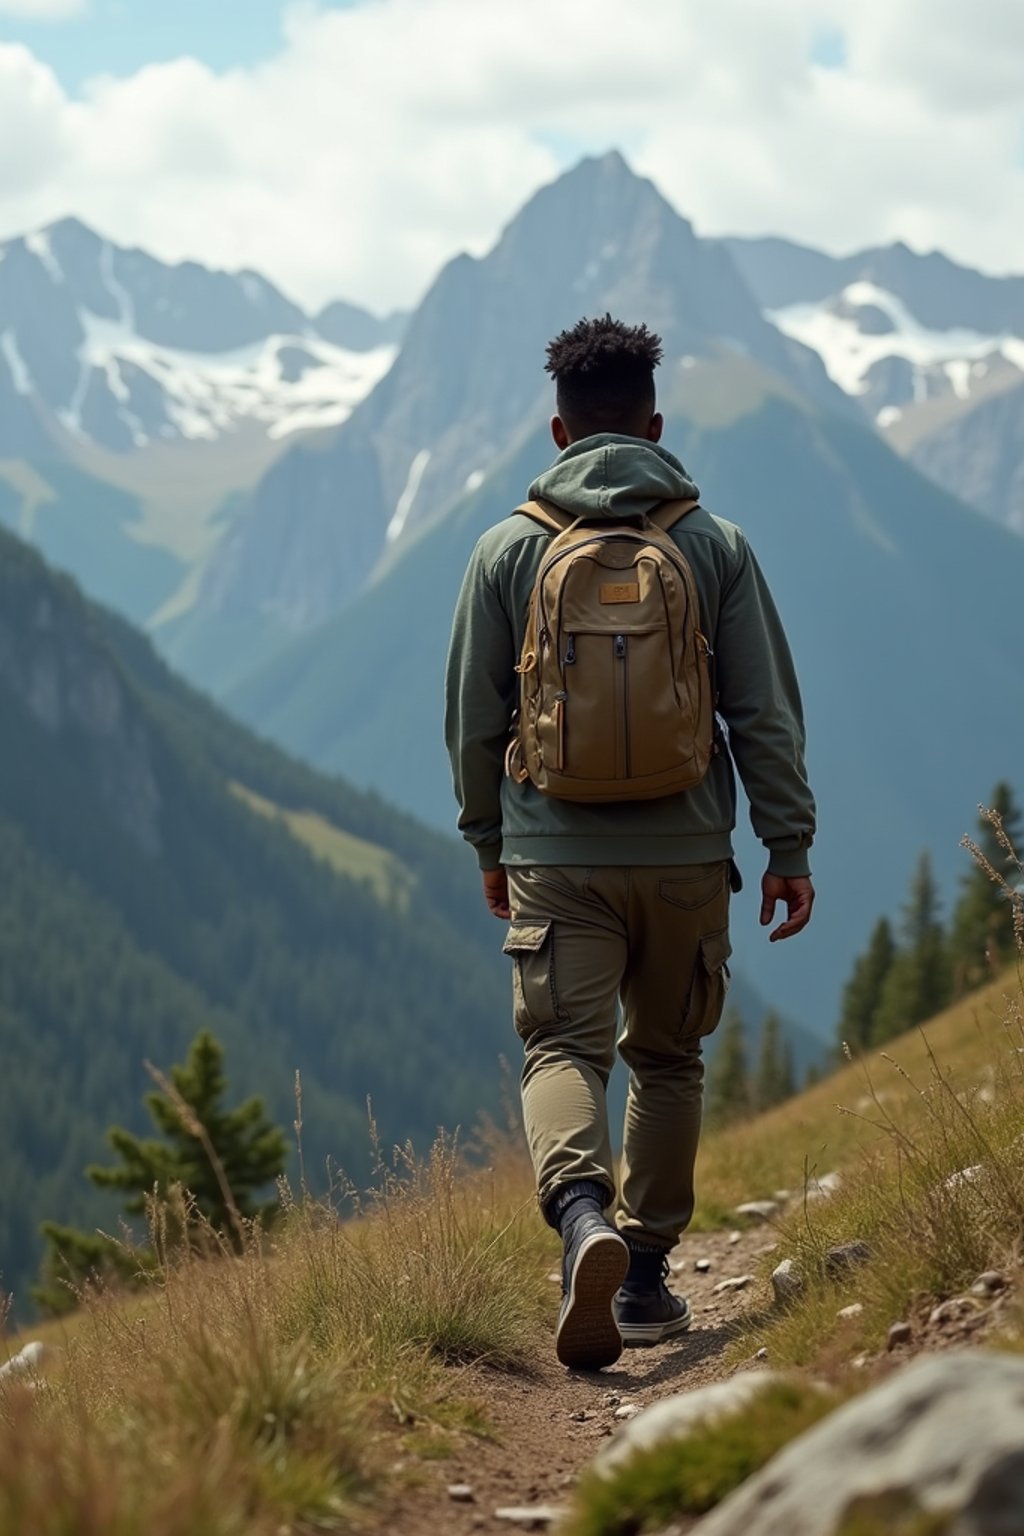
{"x": 621, "y": 654}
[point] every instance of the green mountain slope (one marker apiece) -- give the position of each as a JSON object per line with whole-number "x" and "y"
{"x": 143, "y": 897}
{"x": 902, "y": 605}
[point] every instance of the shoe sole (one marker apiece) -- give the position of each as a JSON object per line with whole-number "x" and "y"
{"x": 588, "y": 1337}
{"x": 643, "y": 1335}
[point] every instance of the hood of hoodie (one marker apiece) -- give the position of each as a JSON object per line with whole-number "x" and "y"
{"x": 613, "y": 477}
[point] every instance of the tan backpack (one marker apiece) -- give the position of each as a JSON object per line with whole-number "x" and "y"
{"x": 616, "y": 698}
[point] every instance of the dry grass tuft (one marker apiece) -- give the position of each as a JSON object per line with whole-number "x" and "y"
{"x": 263, "y": 1391}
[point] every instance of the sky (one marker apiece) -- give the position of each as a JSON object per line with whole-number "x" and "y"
{"x": 348, "y": 149}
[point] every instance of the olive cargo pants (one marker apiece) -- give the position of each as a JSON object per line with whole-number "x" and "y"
{"x": 582, "y": 940}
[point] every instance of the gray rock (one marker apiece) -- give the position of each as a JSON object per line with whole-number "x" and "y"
{"x": 626, "y": 1411}
{"x": 758, "y": 1210}
{"x": 702, "y": 1266}
{"x": 461, "y": 1493}
{"x": 532, "y": 1517}
{"x": 847, "y": 1256}
{"x": 946, "y": 1434}
{"x": 27, "y": 1361}
{"x": 989, "y": 1284}
{"x": 674, "y": 1418}
{"x": 964, "y": 1176}
{"x": 899, "y": 1333}
{"x": 823, "y": 1187}
{"x": 953, "y": 1310}
{"x": 734, "y": 1238}
{"x": 848, "y": 1314}
{"x": 736, "y": 1283}
{"x": 787, "y": 1282}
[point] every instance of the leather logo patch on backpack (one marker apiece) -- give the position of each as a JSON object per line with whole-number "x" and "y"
{"x": 620, "y": 592}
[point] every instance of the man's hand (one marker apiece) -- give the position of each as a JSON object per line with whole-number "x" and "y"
{"x": 496, "y": 893}
{"x": 798, "y": 894}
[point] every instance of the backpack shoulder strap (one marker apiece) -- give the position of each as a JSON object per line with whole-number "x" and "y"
{"x": 550, "y": 517}
{"x": 669, "y": 513}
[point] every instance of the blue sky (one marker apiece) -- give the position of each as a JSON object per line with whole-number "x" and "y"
{"x": 120, "y": 36}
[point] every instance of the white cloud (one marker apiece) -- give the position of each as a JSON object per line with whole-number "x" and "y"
{"x": 42, "y": 10}
{"x": 385, "y": 137}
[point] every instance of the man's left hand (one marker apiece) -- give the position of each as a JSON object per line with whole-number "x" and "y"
{"x": 496, "y": 893}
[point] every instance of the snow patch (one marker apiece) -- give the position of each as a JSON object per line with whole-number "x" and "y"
{"x": 849, "y": 354}
{"x": 39, "y": 245}
{"x": 888, "y": 416}
{"x": 118, "y": 292}
{"x": 20, "y": 375}
{"x": 404, "y": 504}
{"x": 474, "y": 480}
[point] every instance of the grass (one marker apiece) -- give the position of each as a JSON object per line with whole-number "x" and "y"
{"x": 270, "y": 1392}
{"x": 391, "y": 882}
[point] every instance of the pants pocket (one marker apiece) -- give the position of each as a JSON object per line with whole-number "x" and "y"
{"x": 709, "y": 985}
{"x": 696, "y": 890}
{"x": 534, "y": 989}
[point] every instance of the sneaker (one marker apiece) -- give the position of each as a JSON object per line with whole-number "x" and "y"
{"x": 594, "y": 1267}
{"x": 646, "y": 1316}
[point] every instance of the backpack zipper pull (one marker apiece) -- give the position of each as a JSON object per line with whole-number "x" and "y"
{"x": 620, "y": 647}
{"x": 570, "y": 651}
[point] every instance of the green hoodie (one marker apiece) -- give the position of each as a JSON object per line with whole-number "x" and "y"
{"x": 612, "y": 477}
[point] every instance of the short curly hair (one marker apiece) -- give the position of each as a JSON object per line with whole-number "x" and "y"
{"x": 604, "y": 375}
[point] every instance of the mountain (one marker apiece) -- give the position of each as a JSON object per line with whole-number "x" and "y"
{"x": 466, "y": 386}
{"x": 933, "y": 351}
{"x": 165, "y": 871}
{"x": 903, "y": 608}
{"x": 114, "y": 348}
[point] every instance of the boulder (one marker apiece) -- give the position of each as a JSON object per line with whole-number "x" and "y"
{"x": 942, "y": 1438}
{"x": 787, "y": 1282}
{"x": 674, "y": 1418}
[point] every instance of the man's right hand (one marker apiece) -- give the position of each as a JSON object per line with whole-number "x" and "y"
{"x": 496, "y": 893}
{"x": 798, "y": 894}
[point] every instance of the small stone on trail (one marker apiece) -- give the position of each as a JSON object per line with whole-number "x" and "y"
{"x": 531, "y": 1516}
{"x": 847, "y": 1256}
{"x": 782, "y": 1195}
{"x": 860, "y": 1361}
{"x": 611, "y": 1400}
{"x": 734, "y": 1237}
{"x": 989, "y": 1284}
{"x": 702, "y": 1266}
{"x": 952, "y": 1310}
{"x": 847, "y": 1314}
{"x": 627, "y": 1411}
{"x": 824, "y": 1187}
{"x": 461, "y": 1493}
{"x": 736, "y": 1283}
{"x": 759, "y": 1210}
{"x": 555, "y": 1277}
{"x": 580, "y": 1416}
{"x": 787, "y": 1281}
{"x": 899, "y": 1333}
{"x": 761, "y": 1354}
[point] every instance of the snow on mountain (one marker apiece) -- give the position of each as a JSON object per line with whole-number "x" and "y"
{"x": 873, "y": 346}
{"x": 120, "y": 350}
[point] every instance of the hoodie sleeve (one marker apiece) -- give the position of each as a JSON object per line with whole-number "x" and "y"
{"x": 479, "y": 701}
{"x": 759, "y": 700}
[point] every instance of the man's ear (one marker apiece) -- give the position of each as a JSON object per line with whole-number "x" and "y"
{"x": 655, "y": 428}
{"x": 559, "y": 433}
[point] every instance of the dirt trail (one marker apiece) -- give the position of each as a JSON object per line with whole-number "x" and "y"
{"x": 548, "y": 1425}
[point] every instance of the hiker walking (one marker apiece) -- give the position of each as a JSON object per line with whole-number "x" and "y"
{"x": 605, "y": 633}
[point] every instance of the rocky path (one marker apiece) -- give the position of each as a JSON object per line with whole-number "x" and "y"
{"x": 549, "y": 1424}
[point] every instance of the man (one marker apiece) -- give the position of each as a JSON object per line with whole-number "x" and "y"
{"x": 625, "y": 901}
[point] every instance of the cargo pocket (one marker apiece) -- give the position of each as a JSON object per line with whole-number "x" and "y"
{"x": 535, "y": 995}
{"x": 709, "y": 985}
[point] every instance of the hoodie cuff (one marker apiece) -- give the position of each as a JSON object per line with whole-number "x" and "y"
{"x": 789, "y": 865}
{"x": 489, "y": 855}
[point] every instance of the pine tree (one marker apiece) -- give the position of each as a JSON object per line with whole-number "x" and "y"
{"x": 729, "y": 1089}
{"x": 220, "y": 1156}
{"x": 862, "y": 994}
{"x": 774, "y": 1079}
{"x": 918, "y": 983}
{"x": 981, "y": 941}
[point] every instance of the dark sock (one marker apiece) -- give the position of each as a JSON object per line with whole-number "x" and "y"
{"x": 646, "y": 1265}
{"x": 571, "y": 1201}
